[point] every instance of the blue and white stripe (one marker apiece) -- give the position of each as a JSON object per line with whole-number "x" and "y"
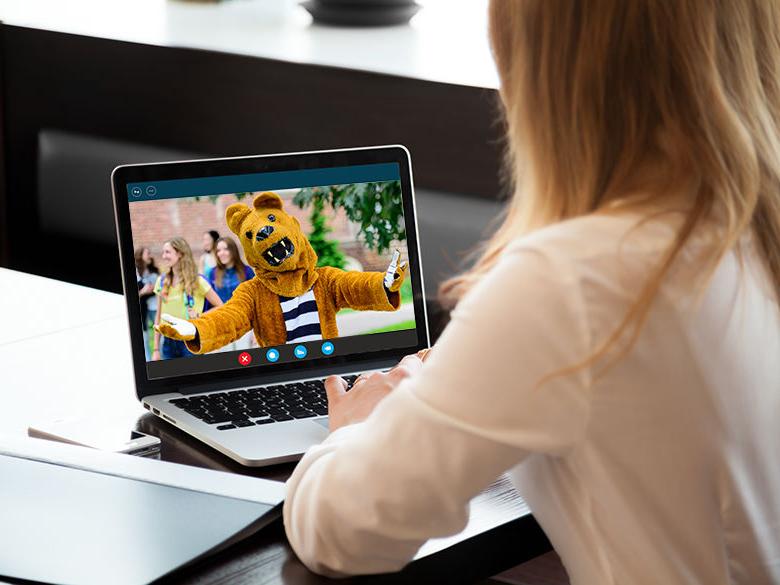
{"x": 301, "y": 318}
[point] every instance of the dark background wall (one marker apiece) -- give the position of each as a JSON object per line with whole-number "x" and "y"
{"x": 74, "y": 107}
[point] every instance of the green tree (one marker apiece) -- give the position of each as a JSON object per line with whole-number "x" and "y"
{"x": 328, "y": 251}
{"x": 214, "y": 198}
{"x": 375, "y": 207}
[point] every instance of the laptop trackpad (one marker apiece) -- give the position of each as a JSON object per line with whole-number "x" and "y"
{"x": 322, "y": 421}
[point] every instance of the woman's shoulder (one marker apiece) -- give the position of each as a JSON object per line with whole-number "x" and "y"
{"x": 602, "y": 235}
{"x": 203, "y": 284}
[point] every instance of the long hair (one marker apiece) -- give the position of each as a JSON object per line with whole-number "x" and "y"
{"x": 188, "y": 272}
{"x": 142, "y": 266}
{"x": 593, "y": 90}
{"x": 238, "y": 264}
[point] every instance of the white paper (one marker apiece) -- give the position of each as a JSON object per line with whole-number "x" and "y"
{"x": 186, "y": 477}
{"x": 497, "y": 505}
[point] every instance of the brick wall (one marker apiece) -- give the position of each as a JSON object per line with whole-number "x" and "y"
{"x": 154, "y": 222}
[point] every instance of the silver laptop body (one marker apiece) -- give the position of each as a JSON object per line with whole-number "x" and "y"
{"x": 156, "y": 201}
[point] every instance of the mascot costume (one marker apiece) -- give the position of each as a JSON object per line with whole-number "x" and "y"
{"x": 289, "y": 299}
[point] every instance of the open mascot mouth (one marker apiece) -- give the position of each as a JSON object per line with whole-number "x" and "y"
{"x": 279, "y": 252}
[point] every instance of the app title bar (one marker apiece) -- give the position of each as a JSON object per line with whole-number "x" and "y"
{"x": 262, "y": 181}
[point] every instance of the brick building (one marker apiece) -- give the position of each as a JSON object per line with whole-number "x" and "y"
{"x": 156, "y": 221}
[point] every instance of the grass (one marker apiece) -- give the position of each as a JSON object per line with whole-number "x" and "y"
{"x": 406, "y": 291}
{"x": 410, "y": 324}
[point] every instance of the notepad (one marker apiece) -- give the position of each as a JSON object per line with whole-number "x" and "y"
{"x": 497, "y": 505}
{"x": 75, "y": 515}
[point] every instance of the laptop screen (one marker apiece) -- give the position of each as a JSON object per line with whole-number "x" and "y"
{"x": 262, "y": 269}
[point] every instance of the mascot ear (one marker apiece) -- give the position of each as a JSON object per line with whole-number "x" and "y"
{"x": 267, "y": 199}
{"x": 234, "y": 215}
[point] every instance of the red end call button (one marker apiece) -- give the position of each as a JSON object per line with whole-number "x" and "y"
{"x": 244, "y": 358}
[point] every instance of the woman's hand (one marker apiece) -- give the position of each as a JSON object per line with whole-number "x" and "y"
{"x": 353, "y": 406}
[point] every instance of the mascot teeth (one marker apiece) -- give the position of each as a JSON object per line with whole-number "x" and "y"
{"x": 279, "y": 252}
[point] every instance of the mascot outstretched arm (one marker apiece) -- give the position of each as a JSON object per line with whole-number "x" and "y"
{"x": 289, "y": 299}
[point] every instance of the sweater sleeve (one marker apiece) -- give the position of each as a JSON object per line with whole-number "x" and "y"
{"x": 371, "y": 494}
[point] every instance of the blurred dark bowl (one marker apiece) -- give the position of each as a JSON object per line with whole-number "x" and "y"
{"x": 361, "y": 12}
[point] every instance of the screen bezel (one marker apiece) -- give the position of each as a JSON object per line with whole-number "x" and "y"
{"x": 123, "y": 175}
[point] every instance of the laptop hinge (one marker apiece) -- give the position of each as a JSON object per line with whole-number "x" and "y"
{"x": 282, "y": 377}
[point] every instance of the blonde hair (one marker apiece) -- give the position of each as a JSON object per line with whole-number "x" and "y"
{"x": 593, "y": 90}
{"x": 188, "y": 272}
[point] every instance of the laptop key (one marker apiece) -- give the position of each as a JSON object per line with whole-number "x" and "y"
{"x": 218, "y": 418}
{"x": 321, "y": 410}
{"x": 302, "y": 414}
{"x": 243, "y": 423}
{"x": 225, "y": 427}
{"x": 281, "y": 417}
{"x": 264, "y": 421}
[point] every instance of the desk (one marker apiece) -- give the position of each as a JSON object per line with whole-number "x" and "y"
{"x": 65, "y": 352}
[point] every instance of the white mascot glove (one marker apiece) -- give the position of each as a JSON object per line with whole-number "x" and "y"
{"x": 176, "y": 328}
{"x": 394, "y": 276}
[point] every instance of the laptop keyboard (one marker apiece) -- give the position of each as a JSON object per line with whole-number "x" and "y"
{"x": 259, "y": 406}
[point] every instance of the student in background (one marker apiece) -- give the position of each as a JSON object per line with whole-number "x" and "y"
{"x": 148, "y": 274}
{"x": 615, "y": 348}
{"x": 208, "y": 259}
{"x": 224, "y": 278}
{"x": 230, "y": 270}
{"x": 181, "y": 292}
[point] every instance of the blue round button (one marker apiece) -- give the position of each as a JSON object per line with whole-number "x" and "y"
{"x": 272, "y": 355}
{"x": 300, "y": 352}
{"x": 327, "y": 348}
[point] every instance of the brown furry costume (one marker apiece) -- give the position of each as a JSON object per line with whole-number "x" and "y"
{"x": 285, "y": 265}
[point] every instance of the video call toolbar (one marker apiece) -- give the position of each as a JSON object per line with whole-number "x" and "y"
{"x": 289, "y": 353}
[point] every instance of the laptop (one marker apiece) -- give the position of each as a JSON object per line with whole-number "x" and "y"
{"x": 316, "y": 271}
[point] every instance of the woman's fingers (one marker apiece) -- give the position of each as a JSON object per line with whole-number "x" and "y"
{"x": 405, "y": 368}
{"x": 423, "y": 353}
{"x": 335, "y": 386}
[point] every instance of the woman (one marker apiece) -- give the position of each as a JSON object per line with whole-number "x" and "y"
{"x": 147, "y": 273}
{"x": 615, "y": 347}
{"x": 181, "y": 292}
{"x": 229, "y": 272}
{"x": 208, "y": 259}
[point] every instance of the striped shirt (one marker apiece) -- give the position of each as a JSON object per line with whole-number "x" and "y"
{"x": 301, "y": 319}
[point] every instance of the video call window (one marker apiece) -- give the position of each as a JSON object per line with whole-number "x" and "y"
{"x": 196, "y": 253}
